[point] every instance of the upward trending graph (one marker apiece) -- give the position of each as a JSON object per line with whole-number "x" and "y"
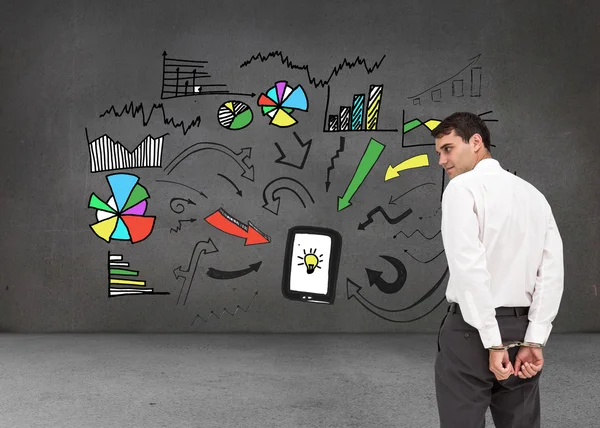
{"x": 362, "y": 116}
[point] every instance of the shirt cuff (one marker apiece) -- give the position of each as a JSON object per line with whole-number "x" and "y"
{"x": 490, "y": 336}
{"x": 538, "y": 332}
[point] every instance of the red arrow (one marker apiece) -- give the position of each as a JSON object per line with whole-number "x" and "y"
{"x": 228, "y": 224}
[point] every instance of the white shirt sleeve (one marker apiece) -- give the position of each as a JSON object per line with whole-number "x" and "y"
{"x": 467, "y": 262}
{"x": 549, "y": 285}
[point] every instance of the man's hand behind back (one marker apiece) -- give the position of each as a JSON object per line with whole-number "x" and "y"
{"x": 528, "y": 362}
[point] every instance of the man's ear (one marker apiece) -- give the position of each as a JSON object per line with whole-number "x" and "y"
{"x": 477, "y": 142}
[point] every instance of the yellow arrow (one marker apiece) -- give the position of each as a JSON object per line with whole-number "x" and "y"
{"x": 414, "y": 162}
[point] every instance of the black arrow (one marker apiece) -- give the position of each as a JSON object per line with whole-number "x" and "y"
{"x": 294, "y": 186}
{"x": 393, "y": 200}
{"x": 337, "y": 155}
{"x": 280, "y": 160}
{"x": 222, "y": 274}
{"x": 238, "y": 191}
{"x": 179, "y": 204}
{"x": 361, "y": 226}
{"x": 178, "y": 228}
{"x": 384, "y": 286}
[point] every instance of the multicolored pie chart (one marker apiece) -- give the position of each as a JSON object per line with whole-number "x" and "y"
{"x": 235, "y": 115}
{"x": 122, "y": 216}
{"x": 280, "y": 102}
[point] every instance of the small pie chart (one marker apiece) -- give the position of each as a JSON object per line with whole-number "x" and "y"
{"x": 235, "y": 115}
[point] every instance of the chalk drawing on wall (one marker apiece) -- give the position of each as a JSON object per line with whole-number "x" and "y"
{"x": 312, "y": 257}
{"x": 417, "y": 231}
{"x": 118, "y": 286}
{"x": 426, "y": 304}
{"x": 240, "y": 157}
{"x": 313, "y": 81}
{"x": 221, "y": 220}
{"x": 232, "y": 274}
{"x": 234, "y": 115}
{"x": 383, "y": 285}
{"x": 184, "y": 185}
{"x": 188, "y": 274}
{"x": 467, "y": 82}
{"x": 185, "y": 78}
{"x": 283, "y": 156}
{"x": 238, "y": 191}
{"x": 177, "y": 205}
{"x": 430, "y": 124}
{"x": 424, "y": 261}
{"x": 367, "y": 161}
{"x": 361, "y": 116}
{"x": 411, "y": 163}
{"x": 332, "y": 167}
{"x": 180, "y": 224}
{"x": 108, "y": 155}
{"x": 225, "y": 310}
{"x": 390, "y": 220}
{"x": 281, "y": 101}
{"x": 284, "y": 183}
{"x": 134, "y": 111}
{"x": 122, "y": 216}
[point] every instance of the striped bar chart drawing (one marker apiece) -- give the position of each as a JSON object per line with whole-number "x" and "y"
{"x": 467, "y": 82}
{"x": 361, "y": 116}
{"x": 108, "y": 155}
{"x": 118, "y": 286}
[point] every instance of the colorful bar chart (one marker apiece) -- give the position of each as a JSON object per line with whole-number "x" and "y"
{"x": 124, "y": 287}
{"x": 361, "y": 116}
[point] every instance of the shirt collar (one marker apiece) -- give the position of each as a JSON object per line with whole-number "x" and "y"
{"x": 487, "y": 163}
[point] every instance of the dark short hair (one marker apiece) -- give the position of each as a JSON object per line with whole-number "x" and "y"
{"x": 465, "y": 125}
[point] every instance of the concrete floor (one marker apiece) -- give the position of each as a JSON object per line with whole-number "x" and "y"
{"x": 258, "y": 380}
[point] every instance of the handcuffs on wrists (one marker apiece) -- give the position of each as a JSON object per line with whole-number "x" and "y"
{"x": 513, "y": 344}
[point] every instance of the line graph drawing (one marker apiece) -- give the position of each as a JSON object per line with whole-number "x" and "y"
{"x": 238, "y": 308}
{"x": 458, "y": 84}
{"x": 130, "y": 109}
{"x": 313, "y": 81}
{"x": 184, "y": 78}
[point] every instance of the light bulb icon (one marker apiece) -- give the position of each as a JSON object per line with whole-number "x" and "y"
{"x": 310, "y": 260}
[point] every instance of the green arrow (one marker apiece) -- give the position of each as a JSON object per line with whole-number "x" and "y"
{"x": 365, "y": 165}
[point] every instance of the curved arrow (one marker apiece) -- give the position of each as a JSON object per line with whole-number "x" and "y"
{"x": 390, "y": 220}
{"x": 393, "y": 200}
{"x": 239, "y": 158}
{"x": 205, "y": 247}
{"x": 384, "y": 286}
{"x": 393, "y": 315}
{"x": 184, "y": 185}
{"x": 272, "y": 201}
{"x": 222, "y": 274}
{"x": 179, "y": 204}
{"x": 238, "y": 191}
{"x": 420, "y": 261}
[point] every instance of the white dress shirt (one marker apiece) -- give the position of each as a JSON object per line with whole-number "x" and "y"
{"x": 503, "y": 249}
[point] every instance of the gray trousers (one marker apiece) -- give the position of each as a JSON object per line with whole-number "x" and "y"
{"x": 464, "y": 385}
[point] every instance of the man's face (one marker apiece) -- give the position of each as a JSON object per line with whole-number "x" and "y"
{"x": 456, "y": 156}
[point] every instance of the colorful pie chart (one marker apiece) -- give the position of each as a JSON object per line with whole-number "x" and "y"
{"x": 235, "y": 115}
{"x": 122, "y": 217}
{"x": 280, "y": 102}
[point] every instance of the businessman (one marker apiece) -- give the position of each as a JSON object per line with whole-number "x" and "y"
{"x": 506, "y": 281}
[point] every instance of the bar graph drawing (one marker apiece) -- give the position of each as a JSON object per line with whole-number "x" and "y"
{"x": 108, "y": 155}
{"x": 467, "y": 82}
{"x": 361, "y": 116}
{"x": 186, "y": 78}
{"x": 125, "y": 286}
